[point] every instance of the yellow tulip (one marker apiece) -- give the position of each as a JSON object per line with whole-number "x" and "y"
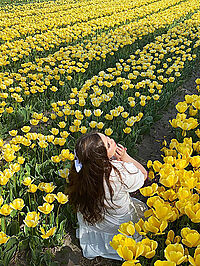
{"x": 32, "y": 188}
{"x": 149, "y": 191}
{"x": 193, "y": 212}
{"x": 163, "y": 211}
{"x": 171, "y": 239}
{"x": 5, "y": 210}
{"x": 61, "y": 198}
{"x": 26, "y": 129}
{"x": 13, "y": 133}
{"x": 48, "y": 187}
{"x": 43, "y": 144}
{"x": 197, "y": 132}
{"x": 87, "y": 112}
{"x": 195, "y": 161}
{"x": 46, "y": 208}
{"x": 117, "y": 240}
{"x": 175, "y": 253}
{"x": 61, "y": 124}
{"x": 149, "y": 163}
{"x": 17, "y": 204}
{"x": 164, "y": 263}
{"x": 108, "y": 131}
{"x": 192, "y": 111}
{"x": 195, "y": 261}
{"x": 64, "y": 173}
{"x": 125, "y": 252}
{"x": 3, "y": 180}
{"x": 139, "y": 227}
{"x": 15, "y": 167}
{"x": 181, "y": 107}
{"x": 27, "y": 181}
{"x": 169, "y": 195}
{"x": 49, "y": 198}
{"x": 3, "y": 238}
{"x": 190, "y": 238}
{"x": 93, "y": 124}
{"x": 127, "y": 228}
{"x": 20, "y": 160}
{"x": 181, "y": 164}
{"x": 109, "y": 117}
{"x": 100, "y": 125}
{"x": 156, "y": 166}
{"x": 55, "y": 159}
{"x": 32, "y": 219}
{"x": 97, "y": 112}
{"x": 48, "y": 233}
{"x": 155, "y": 226}
{"x": 64, "y": 134}
{"x": 54, "y": 131}
{"x": 83, "y": 129}
{"x": 150, "y": 247}
{"x": 9, "y": 155}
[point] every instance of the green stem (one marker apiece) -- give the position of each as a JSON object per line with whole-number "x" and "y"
{"x": 42, "y": 155}
{"x": 57, "y": 215}
{"x": 29, "y": 199}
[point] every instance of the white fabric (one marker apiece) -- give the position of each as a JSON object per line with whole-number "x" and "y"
{"x": 94, "y": 240}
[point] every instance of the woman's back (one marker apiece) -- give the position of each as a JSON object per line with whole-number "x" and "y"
{"x": 99, "y": 191}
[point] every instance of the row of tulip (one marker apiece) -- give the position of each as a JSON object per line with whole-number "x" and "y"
{"x": 173, "y": 218}
{"x": 32, "y": 78}
{"x": 139, "y": 88}
{"x": 23, "y": 23}
{"x": 20, "y": 49}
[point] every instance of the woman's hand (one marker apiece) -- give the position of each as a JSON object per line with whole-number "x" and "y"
{"x": 120, "y": 152}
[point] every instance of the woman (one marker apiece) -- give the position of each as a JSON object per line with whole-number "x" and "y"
{"x": 100, "y": 180}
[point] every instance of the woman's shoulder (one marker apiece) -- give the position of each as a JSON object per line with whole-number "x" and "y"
{"x": 124, "y": 167}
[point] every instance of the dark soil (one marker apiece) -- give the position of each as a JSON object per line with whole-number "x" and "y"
{"x": 148, "y": 149}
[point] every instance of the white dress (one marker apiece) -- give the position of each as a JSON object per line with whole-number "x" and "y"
{"x": 94, "y": 240}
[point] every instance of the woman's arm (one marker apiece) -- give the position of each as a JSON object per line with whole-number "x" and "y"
{"x": 122, "y": 155}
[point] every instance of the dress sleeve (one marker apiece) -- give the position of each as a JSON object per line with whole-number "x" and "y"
{"x": 132, "y": 177}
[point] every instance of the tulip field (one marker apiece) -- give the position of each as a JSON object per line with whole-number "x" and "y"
{"x": 68, "y": 67}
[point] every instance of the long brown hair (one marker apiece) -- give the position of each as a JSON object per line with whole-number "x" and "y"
{"x": 86, "y": 187}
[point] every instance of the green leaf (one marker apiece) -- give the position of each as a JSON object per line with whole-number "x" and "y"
{"x": 10, "y": 243}
{"x": 3, "y": 228}
{"x": 27, "y": 167}
{"x": 36, "y": 240}
{"x": 61, "y": 227}
{"x": 13, "y": 228}
{"x": 8, "y": 255}
{"x": 23, "y": 244}
{"x": 26, "y": 230}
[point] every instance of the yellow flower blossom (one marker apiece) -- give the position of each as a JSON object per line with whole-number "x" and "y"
{"x": 32, "y": 219}
{"x": 190, "y": 238}
{"x": 3, "y": 238}
{"x": 175, "y": 253}
{"x": 17, "y": 204}
{"x": 5, "y": 210}
{"x": 50, "y": 232}
{"x": 46, "y": 208}
{"x": 127, "y": 228}
{"x": 195, "y": 261}
{"x": 61, "y": 198}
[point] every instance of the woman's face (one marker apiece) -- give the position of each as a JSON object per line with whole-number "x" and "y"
{"x": 109, "y": 143}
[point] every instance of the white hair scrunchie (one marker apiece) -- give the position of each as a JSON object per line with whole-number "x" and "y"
{"x": 78, "y": 164}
